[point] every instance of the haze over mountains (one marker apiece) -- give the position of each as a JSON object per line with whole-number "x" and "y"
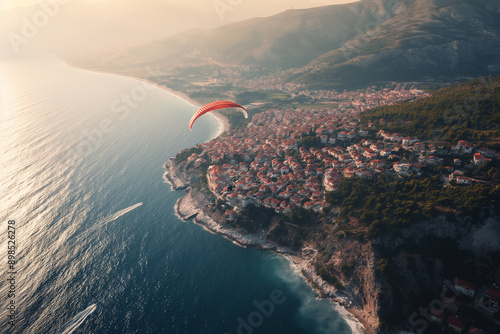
{"x": 83, "y": 27}
{"x": 70, "y": 28}
{"x": 345, "y": 44}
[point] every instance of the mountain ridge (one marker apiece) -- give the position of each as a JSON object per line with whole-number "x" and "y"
{"x": 342, "y": 45}
{"x": 451, "y": 40}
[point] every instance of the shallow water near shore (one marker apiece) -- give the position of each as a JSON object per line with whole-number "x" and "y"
{"x": 81, "y": 168}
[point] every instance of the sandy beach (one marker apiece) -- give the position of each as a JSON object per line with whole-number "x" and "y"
{"x": 223, "y": 121}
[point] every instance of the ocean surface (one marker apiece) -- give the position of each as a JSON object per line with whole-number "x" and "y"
{"x": 99, "y": 248}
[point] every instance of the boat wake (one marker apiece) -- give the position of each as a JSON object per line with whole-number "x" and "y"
{"x": 111, "y": 218}
{"x": 74, "y": 323}
{"x": 119, "y": 214}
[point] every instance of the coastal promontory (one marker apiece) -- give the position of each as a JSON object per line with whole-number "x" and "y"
{"x": 376, "y": 212}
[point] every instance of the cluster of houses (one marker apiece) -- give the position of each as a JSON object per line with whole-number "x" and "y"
{"x": 363, "y": 98}
{"x": 290, "y": 158}
{"x": 452, "y": 311}
{"x": 427, "y": 155}
{"x": 264, "y": 164}
{"x": 268, "y": 163}
{"x": 370, "y": 97}
{"x": 480, "y": 156}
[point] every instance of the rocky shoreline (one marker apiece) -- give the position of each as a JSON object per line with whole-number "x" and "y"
{"x": 188, "y": 207}
{"x": 171, "y": 178}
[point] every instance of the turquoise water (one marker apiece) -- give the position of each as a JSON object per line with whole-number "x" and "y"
{"x": 78, "y": 157}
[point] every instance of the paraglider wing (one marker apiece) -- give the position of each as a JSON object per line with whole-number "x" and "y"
{"x": 213, "y": 106}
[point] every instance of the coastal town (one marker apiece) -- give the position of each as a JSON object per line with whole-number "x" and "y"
{"x": 251, "y": 167}
{"x": 291, "y": 158}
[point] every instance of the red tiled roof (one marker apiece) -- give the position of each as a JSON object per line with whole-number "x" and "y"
{"x": 475, "y": 330}
{"x": 464, "y": 284}
{"x": 494, "y": 294}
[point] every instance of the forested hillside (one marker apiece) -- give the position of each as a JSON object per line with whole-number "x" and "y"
{"x": 469, "y": 111}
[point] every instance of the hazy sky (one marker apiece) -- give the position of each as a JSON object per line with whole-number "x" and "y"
{"x": 82, "y": 27}
{"x": 264, "y": 6}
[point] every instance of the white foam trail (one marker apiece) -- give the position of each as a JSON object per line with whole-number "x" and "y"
{"x": 74, "y": 323}
{"x": 112, "y": 217}
{"x": 119, "y": 214}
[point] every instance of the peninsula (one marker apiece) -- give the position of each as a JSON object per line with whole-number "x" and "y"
{"x": 360, "y": 209}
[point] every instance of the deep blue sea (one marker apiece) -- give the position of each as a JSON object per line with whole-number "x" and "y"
{"x": 80, "y": 151}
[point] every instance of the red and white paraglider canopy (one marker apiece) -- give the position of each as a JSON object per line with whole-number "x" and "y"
{"x": 213, "y": 106}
